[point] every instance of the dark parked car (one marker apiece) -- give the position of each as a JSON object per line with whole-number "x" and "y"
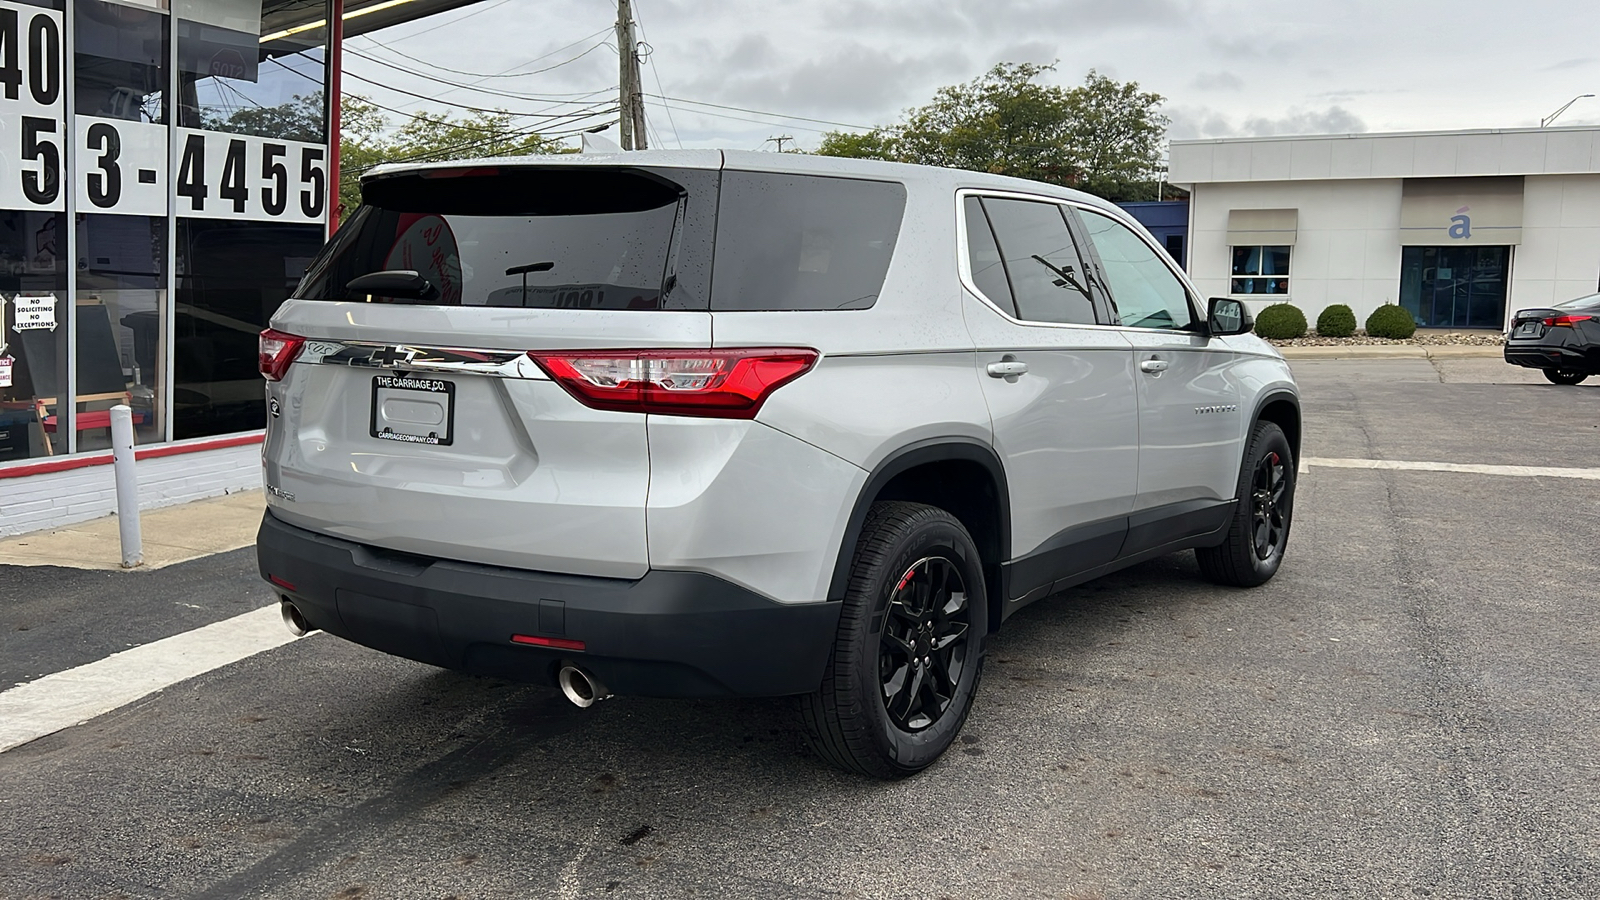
{"x": 1562, "y": 340}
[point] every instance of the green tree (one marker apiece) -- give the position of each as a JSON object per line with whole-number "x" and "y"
{"x": 1103, "y": 137}
{"x": 366, "y": 141}
{"x": 298, "y": 120}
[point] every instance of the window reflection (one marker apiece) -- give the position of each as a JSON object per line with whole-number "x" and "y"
{"x": 233, "y": 78}
{"x": 121, "y": 56}
{"x": 231, "y": 278}
{"x": 122, "y": 301}
{"x": 30, "y": 264}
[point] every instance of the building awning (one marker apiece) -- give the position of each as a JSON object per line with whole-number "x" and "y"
{"x": 1268, "y": 227}
{"x": 360, "y": 16}
{"x": 1438, "y": 212}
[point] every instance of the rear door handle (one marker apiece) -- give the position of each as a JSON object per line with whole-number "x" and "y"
{"x": 1007, "y": 368}
{"x": 1153, "y": 366}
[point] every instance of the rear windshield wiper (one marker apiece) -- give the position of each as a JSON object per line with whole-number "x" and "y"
{"x": 397, "y": 284}
{"x": 523, "y": 270}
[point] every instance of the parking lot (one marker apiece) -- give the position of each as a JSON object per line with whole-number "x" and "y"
{"x": 1410, "y": 709}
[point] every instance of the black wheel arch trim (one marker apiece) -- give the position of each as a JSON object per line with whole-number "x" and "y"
{"x": 930, "y": 450}
{"x": 1267, "y": 399}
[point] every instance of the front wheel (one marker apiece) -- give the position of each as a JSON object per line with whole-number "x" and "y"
{"x": 905, "y": 662}
{"x": 1564, "y": 376}
{"x": 1259, "y": 531}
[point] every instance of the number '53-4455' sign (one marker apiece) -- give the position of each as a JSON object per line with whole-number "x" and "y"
{"x": 123, "y": 166}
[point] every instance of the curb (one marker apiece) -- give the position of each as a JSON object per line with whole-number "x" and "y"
{"x": 1391, "y": 351}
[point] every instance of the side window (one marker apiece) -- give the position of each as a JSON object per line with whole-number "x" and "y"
{"x": 1144, "y": 290}
{"x": 988, "y": 271}
{"x": 1048, "y": 278}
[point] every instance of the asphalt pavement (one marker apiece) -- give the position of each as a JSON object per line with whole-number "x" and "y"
{"x": 1410, "y": 709}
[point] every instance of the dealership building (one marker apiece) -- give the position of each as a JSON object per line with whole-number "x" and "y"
{"x": 1462, "y": 228}
{"x": 167, "y": 168}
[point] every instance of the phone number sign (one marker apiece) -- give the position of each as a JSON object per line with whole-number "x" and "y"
{"x": 122, "y": 165}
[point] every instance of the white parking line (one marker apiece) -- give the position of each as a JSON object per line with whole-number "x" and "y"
{"x": 64, "y": 699}
{"x": 1468, "y": 468}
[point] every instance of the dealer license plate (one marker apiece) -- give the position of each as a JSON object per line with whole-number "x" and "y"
{"x": 413, "y": 409}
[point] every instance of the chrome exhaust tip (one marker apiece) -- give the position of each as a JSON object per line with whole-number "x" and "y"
{"x": 583, "y": 689}
{"x": 294, "y": 619}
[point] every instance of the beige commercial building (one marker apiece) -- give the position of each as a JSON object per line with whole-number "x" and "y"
{"x": 1462, "y": 228}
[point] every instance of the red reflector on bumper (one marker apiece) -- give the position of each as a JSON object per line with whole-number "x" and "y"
{"x": 535, "y": 640}
{"x": 280, "y": 582}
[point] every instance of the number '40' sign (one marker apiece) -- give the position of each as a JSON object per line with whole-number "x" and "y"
{"x": 224, "y": 176}
{"x": 32, "y": 105}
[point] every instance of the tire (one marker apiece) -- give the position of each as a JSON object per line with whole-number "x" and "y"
{"x": 1259, "y": 533}
{"x": 870, "y": 716}
{"x": 1564, "y": 376}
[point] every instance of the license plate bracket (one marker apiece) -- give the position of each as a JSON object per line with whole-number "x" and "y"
{"x": 1527, "y": 329}
{"x": 413, "y": 409}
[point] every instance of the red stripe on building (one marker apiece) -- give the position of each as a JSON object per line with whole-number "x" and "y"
{"x": 69, "y": 463}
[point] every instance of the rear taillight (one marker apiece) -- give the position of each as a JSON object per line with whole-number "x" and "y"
{"x": 1567, "y": 321}
{"x": 726, "y": 384}
{"x": 278, "y": 350}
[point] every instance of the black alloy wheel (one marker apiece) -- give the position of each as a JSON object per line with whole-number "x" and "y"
{"x": 909, "y": 651}
{"x": 1564, "y": 376}
{"x": 1269, "y": 516}
{"x": 1258, "y": 532}
{"x": 923, "y": 652}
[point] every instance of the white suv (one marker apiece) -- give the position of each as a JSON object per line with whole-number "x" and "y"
{"x": 702, "y": 424}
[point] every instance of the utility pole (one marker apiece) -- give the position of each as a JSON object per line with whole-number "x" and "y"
{"x": 780, "y": 139}
{"x": 630, "y": 95}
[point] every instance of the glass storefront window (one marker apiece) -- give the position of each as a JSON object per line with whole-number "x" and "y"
{"x": 122, "y": 105}
{"x": 1265, "y": 270}
{"x": 253, "y": 67}
{"x": 33, "y": 356}
{"x": 120, "y": 61}
{"x": 1455, "y": 287}
{"x": 121, "y": 307}
{"x": 231, "y": 277}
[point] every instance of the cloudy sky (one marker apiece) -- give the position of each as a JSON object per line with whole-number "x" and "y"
{"x": 1226, "y": 67}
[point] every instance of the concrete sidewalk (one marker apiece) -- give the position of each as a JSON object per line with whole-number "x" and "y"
{"x": 172, "y": 534}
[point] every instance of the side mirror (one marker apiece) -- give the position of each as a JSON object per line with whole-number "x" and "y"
{"x": 1228, "y": 316}
{"x": 400, "y": 284}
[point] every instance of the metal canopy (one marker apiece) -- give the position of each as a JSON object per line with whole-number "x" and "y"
{"x": 360, "y": 16}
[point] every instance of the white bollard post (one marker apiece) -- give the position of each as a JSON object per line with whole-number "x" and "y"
{"x": 127, "y": 485}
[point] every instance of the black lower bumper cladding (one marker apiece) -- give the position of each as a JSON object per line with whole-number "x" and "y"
{"x": 668, "y": 634}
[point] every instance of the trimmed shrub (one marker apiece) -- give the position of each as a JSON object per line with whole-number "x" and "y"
{"x": 1280, "y": 322}
{"x": 1337, "y": 320}
{"x": 1390, "y": 321}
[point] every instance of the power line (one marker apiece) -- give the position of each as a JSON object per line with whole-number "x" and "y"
{"x": 704, "y": 112}
{"x": 762, "y": 112}
{"x": 465, "y": 106}
{"x": 505, "y": 74}
{"x": 477, "y": 12}
{"x": 515, "y": 95}
{"x": 655, "y": 71}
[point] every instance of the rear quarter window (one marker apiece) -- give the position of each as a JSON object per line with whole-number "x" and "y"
{"x": 803, "y": 242}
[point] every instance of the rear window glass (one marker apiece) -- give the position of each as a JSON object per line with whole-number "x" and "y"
{"x": 800, "y": 242}
{"x": 547, "y": 238}
{"x": 1590, "y": 302}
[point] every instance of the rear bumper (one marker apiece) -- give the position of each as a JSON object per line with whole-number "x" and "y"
{"x": 1539, "y": 356}
{"x": 668, "y": 634}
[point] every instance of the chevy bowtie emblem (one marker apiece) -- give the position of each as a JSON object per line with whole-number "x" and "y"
{"x": 388, "y": 356}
